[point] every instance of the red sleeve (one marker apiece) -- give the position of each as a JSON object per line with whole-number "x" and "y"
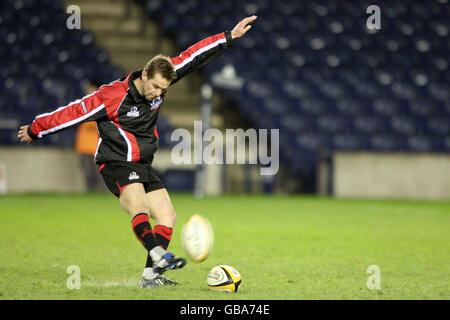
{"x": 102, "y": 103}
{"x": 85, "y": 109}
{"x": 200, "y": 54}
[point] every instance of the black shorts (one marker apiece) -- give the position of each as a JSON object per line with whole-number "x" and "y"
{"x": 117, "y": 175}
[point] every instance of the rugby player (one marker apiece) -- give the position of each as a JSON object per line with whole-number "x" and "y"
{"x": 126, "y": 112}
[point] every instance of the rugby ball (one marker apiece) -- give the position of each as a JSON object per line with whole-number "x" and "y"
{"x": 197, "y": 238}
{"x": 224, "y": 278}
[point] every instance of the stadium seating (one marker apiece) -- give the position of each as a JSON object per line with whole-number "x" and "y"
{"x": 44, "y": 65}
{"x": 314, "y": 70}
{"x": 311, "y": 69}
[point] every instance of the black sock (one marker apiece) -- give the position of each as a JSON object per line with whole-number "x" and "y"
{"x": 143, "y": 231}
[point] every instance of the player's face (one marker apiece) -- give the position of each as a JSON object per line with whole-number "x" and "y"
{"x": 155, "y": 86}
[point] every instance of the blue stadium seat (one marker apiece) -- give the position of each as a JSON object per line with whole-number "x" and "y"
{"x": 439, "y": 126}
{"x": 295, "y": 124}
{"x": 349, "y": 142}
{"x": 366, "y": 125}
{"x": 420, "y": 144}
{"x": 387, "y": 142}
{"x": 334, "y": 124}
{"x": 403, "y": 126}
{"x": 315, "y": 142}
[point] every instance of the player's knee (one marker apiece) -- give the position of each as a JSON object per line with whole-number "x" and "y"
{"x": 133, "y": 201}
{"x": 166, "y": 217}
{"x": 169, "y": 217}
{"x": 134, "y": 206}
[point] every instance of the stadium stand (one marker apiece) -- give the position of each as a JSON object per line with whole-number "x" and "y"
{"x": 314, "y": 70}
{"x": 311, "y": 69}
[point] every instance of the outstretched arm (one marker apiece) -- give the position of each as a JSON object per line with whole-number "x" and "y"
{"x": 203, "y": 52}
{"x": 88, "y": 108}
{"x": 99, "y": 105}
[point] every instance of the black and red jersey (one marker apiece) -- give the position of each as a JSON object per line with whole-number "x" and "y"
{"x": 126, "y": 121}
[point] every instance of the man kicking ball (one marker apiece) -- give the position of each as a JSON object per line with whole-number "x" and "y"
{"x": 126, "y": 112}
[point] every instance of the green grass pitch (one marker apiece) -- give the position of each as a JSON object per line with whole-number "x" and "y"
{"x": 285, "y": 247}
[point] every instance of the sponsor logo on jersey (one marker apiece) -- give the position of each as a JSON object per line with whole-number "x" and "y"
{"x": 133, "y": 113}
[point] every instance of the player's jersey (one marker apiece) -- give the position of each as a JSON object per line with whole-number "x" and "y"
{"x": 126, "y": 120}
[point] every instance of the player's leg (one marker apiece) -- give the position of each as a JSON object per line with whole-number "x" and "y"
{"x": 137, "y": 204}
{"x": 134, "y": 201}
{"x": 161, "y": 210}
{"x": 129, "y": 183}
{"x": 163, "y": 213}
{"x": 125, "y": 181}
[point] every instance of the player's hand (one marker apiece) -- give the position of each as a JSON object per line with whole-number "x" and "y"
{"x": 23, "y": 135}
{"x": 242, "y": 27}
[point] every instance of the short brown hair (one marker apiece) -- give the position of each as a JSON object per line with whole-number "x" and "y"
{"x": 162, "y": 65}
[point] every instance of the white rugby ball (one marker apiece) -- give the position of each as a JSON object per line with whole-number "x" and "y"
{"x": 197, "y": 238}
{"x": 224, "y": 278}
